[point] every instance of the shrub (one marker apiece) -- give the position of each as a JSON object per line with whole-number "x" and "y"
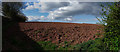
{"x": 111, "y": 16}
{"x": 90, "y": 45}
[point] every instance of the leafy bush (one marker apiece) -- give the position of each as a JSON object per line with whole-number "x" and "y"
{"x": 90, "y": 45}
{"x": 111, "y": 16}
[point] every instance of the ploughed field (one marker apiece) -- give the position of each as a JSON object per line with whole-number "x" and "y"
{"x": 25, "y": 35}
{"x": 58, "y": 33}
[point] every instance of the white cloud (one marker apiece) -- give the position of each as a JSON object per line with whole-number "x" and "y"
{"x": 68, "y": 19}
{"x": 45, "y": 6}
{"x": 27, "y": 4}
{"x": 30, "y": 7}
{"x": 36, "y": 5}
{"x": 42, "y": 17}
{"x": 31, "y": 18}
{"x": 48, "y": 6}
{"x": 64, "y": 10}
{"x": 75, "y": 8}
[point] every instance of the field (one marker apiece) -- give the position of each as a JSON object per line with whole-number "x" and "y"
{"x": 57, "y": 34}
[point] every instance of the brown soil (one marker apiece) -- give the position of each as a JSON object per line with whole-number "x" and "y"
{"x": 61, "y": 32}
{"x": 55, "y": 32}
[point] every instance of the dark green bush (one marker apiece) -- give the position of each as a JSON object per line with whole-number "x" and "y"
{"x": 111, "y": 16}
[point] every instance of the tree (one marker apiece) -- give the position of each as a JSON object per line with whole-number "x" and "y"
{"x": 12, "y": 10}
{"x": 111, "y": 16}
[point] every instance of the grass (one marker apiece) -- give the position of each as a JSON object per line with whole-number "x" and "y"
{"x": 48, "y": 45}
{"x": 89, "y": 45}
{"x": 98, "y": 34}
{"x": 96, "y": 44}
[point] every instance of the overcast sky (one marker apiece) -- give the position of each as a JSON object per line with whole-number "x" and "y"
{"x": 75, "y": 12}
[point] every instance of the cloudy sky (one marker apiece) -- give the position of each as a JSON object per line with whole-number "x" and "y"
{"x": 74, "y": 12}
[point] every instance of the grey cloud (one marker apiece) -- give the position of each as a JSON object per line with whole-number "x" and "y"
{"x": 48, "y": 6}
{"x": 86, "y": 8}
{"x": 67, "y": 10}
{"x": 75, "y": 8}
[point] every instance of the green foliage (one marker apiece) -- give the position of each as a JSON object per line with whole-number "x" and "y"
{"x": 98, "y": 34}
{"x": 111, "y": 16}
{"x": 47, "y": 45}
{"x": 96, "y": 44}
